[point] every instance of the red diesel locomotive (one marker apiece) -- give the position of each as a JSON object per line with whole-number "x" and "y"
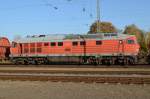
{"x": 109, "y": 48}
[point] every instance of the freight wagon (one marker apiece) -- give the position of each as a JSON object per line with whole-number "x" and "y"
{"x": 4, "y": 48}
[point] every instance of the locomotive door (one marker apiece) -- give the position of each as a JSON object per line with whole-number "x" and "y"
{"x": 121, "y": 47}
{"x": 20, "y": 48}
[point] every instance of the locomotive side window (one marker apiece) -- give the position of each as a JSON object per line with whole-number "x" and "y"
{"x": 53, "y": 44}
{"x": 75, "y": 43}
{"x": 46, "y": 44}
{"x": 98, "y": 42}
{"x": 130, "y": 42}
{"x": 60, "y": 43}
{"x": 82, "y": 43}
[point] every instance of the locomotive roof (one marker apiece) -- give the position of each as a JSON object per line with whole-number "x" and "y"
{"x": 60, "y": 37}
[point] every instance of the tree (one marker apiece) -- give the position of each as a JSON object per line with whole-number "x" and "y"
{"x": 134, "y": 30}
{"x": 147, "y": 40}
{"x": 105, "y": 27}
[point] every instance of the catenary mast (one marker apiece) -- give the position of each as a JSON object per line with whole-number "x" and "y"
{"x": 98, "y": 16}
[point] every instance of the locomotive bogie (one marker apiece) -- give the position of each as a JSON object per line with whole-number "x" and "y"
{"x": 81, "y": 60}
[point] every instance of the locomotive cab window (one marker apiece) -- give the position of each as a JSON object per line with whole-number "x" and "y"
{"x": 60, "y": 43}
{"x": 130, "y": 41}
{"x": 53, "y": 44}
{"x": 75, "y": 43}
{"x": 82, "y": 43}
{"x": 98, "y": 42}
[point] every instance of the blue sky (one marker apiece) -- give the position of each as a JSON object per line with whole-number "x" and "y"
{"x": 29, "y": 17}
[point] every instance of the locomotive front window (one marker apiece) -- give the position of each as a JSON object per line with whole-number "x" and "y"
{"x": 130, "y": 42}
{"x": 53, "y": 44}
{"x": 60, "y": 43}
{"x": 98, "y": 42}
{"x": 75, "y": 43}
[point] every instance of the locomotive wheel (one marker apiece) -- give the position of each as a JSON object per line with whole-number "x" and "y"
{"x": 93, "y": 61}
{"x": 130, "y": 61}
{"x": 107, "y": 61}
{"x": 120, "y": 60}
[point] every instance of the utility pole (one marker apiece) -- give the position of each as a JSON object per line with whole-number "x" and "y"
{"x": 98, "y": 16}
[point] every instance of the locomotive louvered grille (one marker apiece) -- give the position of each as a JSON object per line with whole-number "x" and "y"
{"x": 39, "y": 44}
{"x": 39, "y": 50}
{"x": 32, "y": 45}
{"x": 39, "y": 47}
{"x": 32, "y": 50}
{"x": 26, "y": 45}
{"x": 26, "y": 48}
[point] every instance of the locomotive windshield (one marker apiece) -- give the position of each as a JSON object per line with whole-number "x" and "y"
{"x": 130, "y": 41}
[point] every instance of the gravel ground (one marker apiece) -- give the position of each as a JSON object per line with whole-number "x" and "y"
{"x": 59, "y": 90}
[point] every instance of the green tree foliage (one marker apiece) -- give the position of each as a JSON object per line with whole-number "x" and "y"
{"x": 147, "y": 40}
{"x": 105, "y": 27}
{"x": 134, "y": 30}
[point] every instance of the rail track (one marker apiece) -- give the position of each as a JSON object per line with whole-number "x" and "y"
{"x": 122, "y": 79}
{"x": 80, "y": 66}
{"x": 87, "y": 75}
{"x": 74, "y": 70}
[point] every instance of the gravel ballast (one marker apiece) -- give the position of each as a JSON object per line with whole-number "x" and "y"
{"x": 68, "y": 90}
